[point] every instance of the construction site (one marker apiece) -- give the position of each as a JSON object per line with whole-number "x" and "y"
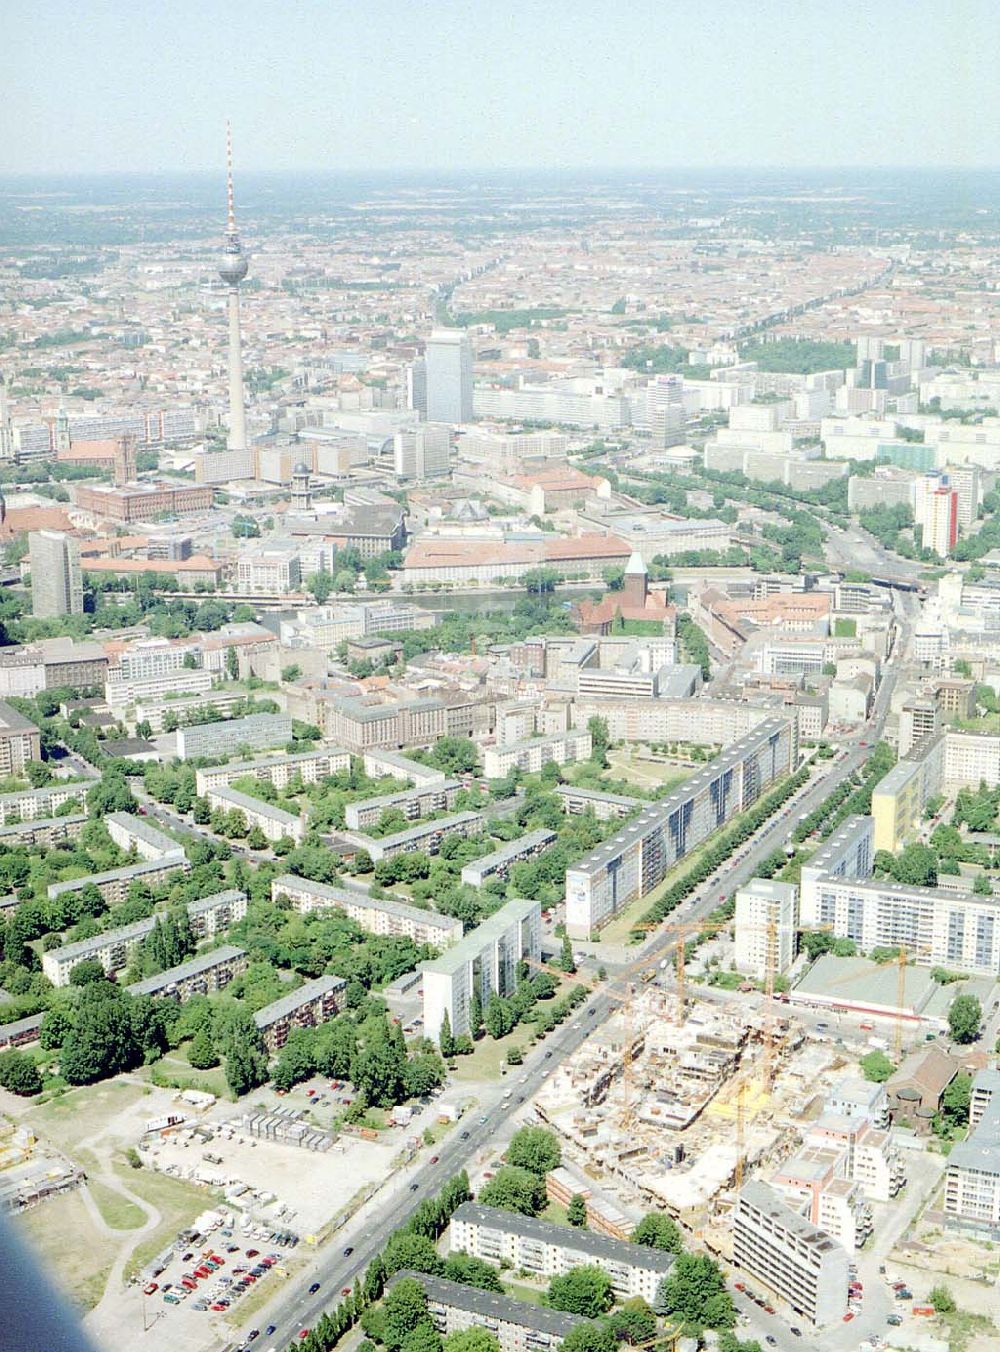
{"x": 687, "y": 1091}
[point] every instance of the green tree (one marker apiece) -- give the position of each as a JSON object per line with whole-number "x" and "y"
{"x": 634, "y": 1322}
{"x": 471, "y": 1340}
{"x": 657, "y": 1231}
{"x": 19, "y": 1074}
{"x": 566, "y": 960}
{"x": 694, "y": 1281}
{"x": 876, "y": 1067}
{"x": 460, "y": 1267}
{"x": 965, "y": 1017}
{"x": 446, "y": 1040}
{"x": 583, "y": 1290}
{"x": 111, "y": 794}
{"x": 379, "y": 1070}
{"x": 536, "y": 1149}
{"x": 102, "y": 1041}
{"x": 600, "y": 740}
{"x": 86, "y": 972}
{"x": 916, "y": 866}
{"x": 591, "y": 1337}
{"x": 201, "y": 1053}
{"x": 576, "y": 1212}
{"x": 245, "y": 1055}
{"x": 404, "y": 1307}
{"x": 499, "y": 1017}
{"x": 475, "y": 1014}
{"x": 956, "y": 1099}
{"x": 983, "y": 886}
{"x": 321, "y": 586}
{"x": 515, "y": 1189}
{"x": 56, "y": 1023}
{"x": 414, "y": 1252}
{"x": 942, "y": 1300}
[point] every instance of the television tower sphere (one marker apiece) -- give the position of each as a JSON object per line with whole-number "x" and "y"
{"x": 233, "y": 265}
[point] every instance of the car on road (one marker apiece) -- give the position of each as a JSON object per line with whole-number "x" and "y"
{"x": 414, "y": 1187}
{"x": 434, "y": 1159}
{"x": 350, "y": 1248}
{"x": 303, "y": 1333}
{"x": 483, "y": 1121}
{"x": 271, "y": 1328}
{"x": 253, "y": 1335}
{"x": 771, "y": 1339}
{"x": 464, "y": 1136}
{"x": 848, "y": 1316}
{"x": 895, "y": 1320}
{"x": 796, "y": 1331}
{"x": 548, "y": 1056}
{"x": 314, "y": 1288}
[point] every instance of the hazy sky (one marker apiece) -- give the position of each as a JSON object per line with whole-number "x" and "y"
{"x": 446, "y": 84}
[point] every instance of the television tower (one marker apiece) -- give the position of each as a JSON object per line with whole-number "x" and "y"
{"x": 232, "y": 270}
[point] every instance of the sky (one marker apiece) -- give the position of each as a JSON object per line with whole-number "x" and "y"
{"x": 119, "y": 85}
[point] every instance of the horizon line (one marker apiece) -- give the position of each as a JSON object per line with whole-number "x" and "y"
{"x": 515, "y": 169}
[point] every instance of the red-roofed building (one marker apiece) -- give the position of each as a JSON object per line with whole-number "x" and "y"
{"x": 434, "y": 559}
{"x": 635, "y": 601}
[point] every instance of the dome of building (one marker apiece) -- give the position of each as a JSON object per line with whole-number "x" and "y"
{"x": 301, "y": 468}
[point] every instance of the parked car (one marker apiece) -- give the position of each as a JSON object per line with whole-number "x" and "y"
{"x": 314, "y": 1288}
{"x": 150, "y": 1287}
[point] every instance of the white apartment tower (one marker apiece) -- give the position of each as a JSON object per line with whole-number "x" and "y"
{"x": 767, "y": 915}
{"x": 449, "y": 376}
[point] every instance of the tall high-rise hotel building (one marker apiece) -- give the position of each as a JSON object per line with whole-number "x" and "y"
{"x": 448, "y": 362}
{"x": 56, "y": 578}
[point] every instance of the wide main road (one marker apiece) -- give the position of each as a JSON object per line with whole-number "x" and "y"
{"x": 336, "y": 1269}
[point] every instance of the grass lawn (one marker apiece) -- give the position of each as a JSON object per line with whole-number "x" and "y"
{"x": 436, "y": 1132}
{"x": 642, "y": 770}
{"x": 175, "y": 1072}
{"x": 177, "y": 1202}
{"x": 118, "y": 1211}
{"x": 484, "y": 1063}
{"x": 556, "y": 1213}
{"x": 959, "y": 1327}
{"x": 516, "y": 1291}
{"x": 83, "y": 1112}
{"x": 74, "y": 1252}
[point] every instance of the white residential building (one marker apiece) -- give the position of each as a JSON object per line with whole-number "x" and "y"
{"x": 486, "y": 961}
{"x": 767, "y": 916}
{"x": 377, "y": 916}
{"x": 789, "y": 1255}
{"x": 564, "y": 748}
{"x": 547, "y": 1250}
